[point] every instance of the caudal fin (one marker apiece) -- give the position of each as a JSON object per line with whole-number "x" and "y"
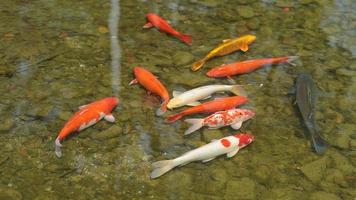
{"x": 238, "y": 90}
{"x": 185, "y": 38}
{"x": 196, "y": 125}
{"x": 161, "y": 167}
{"x": 320, "y": 145}
{"x": 58, "y": 148}
{"x": 173, "y": 118}
{"x": 160, "y": 111}
{"x": 197, "y": 65}
{"x": 291, "y": 59}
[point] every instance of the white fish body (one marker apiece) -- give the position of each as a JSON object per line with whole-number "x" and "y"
{"x": 192, "y": 97}
{"x": 228, "y": 145}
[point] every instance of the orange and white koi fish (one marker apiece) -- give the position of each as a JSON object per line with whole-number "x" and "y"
{"x": 162, "y": 25}
{"x": 247, "y": 66}
{"x": 152, "y": 84}
{"x": 228, "y": 46}
{"x": 210, "y": 107}
{"x": 228, "y": 145}
{"x": 233, "y": 118}
{"x": 87, "y": 116}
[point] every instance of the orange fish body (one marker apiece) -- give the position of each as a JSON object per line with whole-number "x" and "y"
{"x": 152, "y": 84}
{"x": 210, "y": 107}
{"x": 162, "y": 25}
{"x": 246, "y": 66}
{"x": 87, "y": 116}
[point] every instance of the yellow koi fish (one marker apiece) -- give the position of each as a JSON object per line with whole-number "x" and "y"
{"x": 228, "y": 46}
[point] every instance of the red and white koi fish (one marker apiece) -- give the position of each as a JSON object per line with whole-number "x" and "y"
{"x": 228, "y": 145}
{"x": 247, "y": 66}
{"x": 162, "y": 25}
{"x": 152, "y": 84}
{"x": 210, "y": 107}
{"x": 233, "y": 118}
{"x": 87, "y": 116}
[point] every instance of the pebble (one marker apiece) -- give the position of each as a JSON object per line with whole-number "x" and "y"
{"x": 314, "y": 171}
{"x": 246, "y": 12}
{"x": 243, "y": 188}
{"x": 7, "y": 124}
{"x": 182, "y": 58}
{"x": 321, "y": 195}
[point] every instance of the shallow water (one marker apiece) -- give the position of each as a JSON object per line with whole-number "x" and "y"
{"x": 58, "y": 55}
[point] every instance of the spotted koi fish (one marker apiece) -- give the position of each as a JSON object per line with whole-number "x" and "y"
{"x": 233, "y": 118}
{"x": 228, "y": 145}
{"x": 87, "y": 115}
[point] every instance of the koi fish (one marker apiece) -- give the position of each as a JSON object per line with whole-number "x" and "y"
{"x": 152, "y": 84}
{"x": 210, "y": 107}
{"x": 247, "y": 66}
{"x": 87, "y": 115}
{"x": 162, "y": 25}
{"x": 228, "y": 46}
{"x": 192, "y": 97}
{"x": 233, "y": 117}
{"x": 228, "y": 145}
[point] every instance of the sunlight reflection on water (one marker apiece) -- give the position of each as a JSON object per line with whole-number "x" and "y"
{"x": 115, "y": 46}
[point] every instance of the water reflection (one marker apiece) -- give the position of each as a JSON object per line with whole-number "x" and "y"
{"x": 115, "y": 46}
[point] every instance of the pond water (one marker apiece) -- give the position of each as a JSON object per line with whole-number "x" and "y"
{"x": 58, "y": 55}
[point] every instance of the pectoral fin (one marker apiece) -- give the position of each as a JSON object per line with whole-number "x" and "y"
{"x": 237, "y": 125}
{"x": 83, "y": 106}
{"x": 232, "y": 153}
{"x": 206, "y": 97}
{"x": 207, "y": 160}
{"x": 109, "y": 118}
{"x": 195, "y": 103}
{"x": 226, "y": 40}
{"x": 148, "y": 25}
{"x": 244, "y": 47}
{"x": 176, "y": 93}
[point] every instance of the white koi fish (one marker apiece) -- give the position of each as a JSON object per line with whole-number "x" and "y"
{"x": 192, "y": 97}
{"x": 228, "y": 145}
{"x": 233, "y": 118}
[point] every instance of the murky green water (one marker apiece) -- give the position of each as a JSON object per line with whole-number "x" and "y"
{"x": 56, "y": 56}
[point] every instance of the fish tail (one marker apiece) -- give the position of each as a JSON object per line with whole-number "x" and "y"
{"x": 320, "y": 145}
{"x": 57, "y": 147}
{"x": 173, "y": 118}
{"x": 160, "y": 111}
{"x": 196, "y": 125}
{"x": 238, "y": 90}
{"x": 291, "y": 59}
{"x": 185, "y": 38}
{"x": 162, "y": 167}
{"x": 199, "y": 64}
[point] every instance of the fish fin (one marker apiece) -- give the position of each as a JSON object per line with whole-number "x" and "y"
{"x": 207, "y": 97}
{"x": 58, "y": 146}
{"x": 148, "y": 25}
{"x": 237, "y": 125}
{"x": 232, "y": 153}
{"x": 161, "y": 167}
{"x": 176, "y": 93}
{"x": 199, "y": 64}
{"x": 232, "y": 81}
{"x": 213, "y": 140}
{"x": 291, "y": 59}
{"x": 109, "y": 118}
{"x": 226, "y": 40}
{"x": 134, "y": 81}
{"x": 83, "y": 106}
{"x": 207, "y": 160}
{"x": 173, "y": 118}
{"x": 194, "y": 103}
{"x": 244, "y": 47}
{"x": 196, "y": 125}
{"x": 160, "y": 111}
{"x": 320, "y": 145}
{"x": 185, "y": 38}
{"x": 238, "y": 90}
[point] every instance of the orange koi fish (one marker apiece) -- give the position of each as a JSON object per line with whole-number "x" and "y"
{"x": 210, "y": 107}
{"x": 152, "y": 84}
{"x": 87, "y": 116}
{"x": 247, "y": 66}
{"x": 162, "y": 25}
{"x": 228, "y": 46}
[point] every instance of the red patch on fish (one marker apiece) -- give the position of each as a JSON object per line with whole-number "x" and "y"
{"x": 225, "y": 142}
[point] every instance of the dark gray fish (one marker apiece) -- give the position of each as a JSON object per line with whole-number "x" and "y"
{"x": 306, "y": 101}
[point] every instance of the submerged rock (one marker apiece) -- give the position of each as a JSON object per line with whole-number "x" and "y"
{"x": 314, "y": 170}
{"x": 245, "y": 11}
{"x": 8, "y": 193}
{"x": 321, "y": 195}
{"x": 113, "y": 131}
{"x": 182, "y": 58}
{"x": 7, "y": 124}
{"x": 241, "y": 189}
{"x": 342, "y": 141}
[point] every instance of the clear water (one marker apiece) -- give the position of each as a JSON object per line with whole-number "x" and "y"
{"x": 58, "y": 55}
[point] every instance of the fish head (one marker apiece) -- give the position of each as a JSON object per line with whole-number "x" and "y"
{"x": 248, "y": 114}
{"x": 173, "y": 103}
{"x": 248, "y": 39}
{"x": 244, "y": 139}
{"x": 217, "y": 72}
{"x": 111, "y": 102}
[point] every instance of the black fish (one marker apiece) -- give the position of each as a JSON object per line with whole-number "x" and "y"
{"x": 306, "y": 101}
